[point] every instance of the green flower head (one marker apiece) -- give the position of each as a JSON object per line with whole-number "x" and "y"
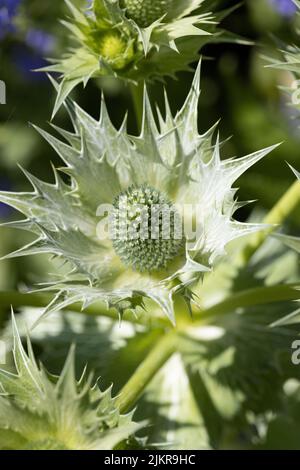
{"x": 39, "y": 411}
{"x": 134, "y": 40}
{"x": 143, "y": 217}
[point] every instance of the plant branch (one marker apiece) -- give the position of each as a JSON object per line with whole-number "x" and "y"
{"x": 159, "y": 355}
{"x": 252, "y": 297}
{"x": 167, "y": 345}
{"x": 282, "y": 209}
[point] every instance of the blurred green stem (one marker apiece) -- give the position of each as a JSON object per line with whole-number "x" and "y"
{"x": 137, "y": 94}
{"x": 159, "y": 355}
{"x": 167, "y": 345}
{"x": 251, "y": 297}
{"x": 284, "y": 207}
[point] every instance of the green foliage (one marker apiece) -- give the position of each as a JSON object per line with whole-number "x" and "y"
{"x": 228, "y": 370}
{"x": 282, "y": 431}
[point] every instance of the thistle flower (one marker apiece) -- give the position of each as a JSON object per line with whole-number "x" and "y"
{"x": 171, "y": 174}
{"x": 43, "y": 412}
{"x": 135, "y": 40}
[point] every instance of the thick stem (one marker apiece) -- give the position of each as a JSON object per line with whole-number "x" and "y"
{"x": 284, "y": 207}
{"x": 167, "y": 345}
{"x": 159, "y": 355}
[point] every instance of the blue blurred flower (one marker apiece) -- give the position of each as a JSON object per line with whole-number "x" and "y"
{"x": 26, "y": 61}
{"x": 27, "y": 56}
{"x": 89, "y": 11}
{"x": 285, "y": 7}
{"x": 30, "y": 56}
{"x": 8, "y": 10}
{"x": 40, "y": 41}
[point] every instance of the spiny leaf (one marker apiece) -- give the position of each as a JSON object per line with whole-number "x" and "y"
{"x": 39, "y": 411}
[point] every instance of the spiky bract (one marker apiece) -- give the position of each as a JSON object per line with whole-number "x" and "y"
{"x": 103, "y": 162}
{"x": 134, "y": 40}
{"x": 39, "y": 411}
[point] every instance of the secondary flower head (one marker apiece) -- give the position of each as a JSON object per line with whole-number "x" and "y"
{"x": 143, "y": 217}
{"x": 39, "y": 411}
{"x": 133, "y": 39}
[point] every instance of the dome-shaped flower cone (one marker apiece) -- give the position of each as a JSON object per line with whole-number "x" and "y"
{"x": 112, "y": 171}
{"x": 135, "y": 40}
{"x": 39, "y": 411}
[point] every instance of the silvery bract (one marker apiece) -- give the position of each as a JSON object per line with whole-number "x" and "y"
{"x": 175, "y": 163}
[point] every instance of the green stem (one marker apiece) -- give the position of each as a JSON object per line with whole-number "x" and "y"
{"x": 167, "y": 345}
{"x": 19, "y": 299}
{"x": 137, "y": 94}
{"x": 284, "y": 207}
{"x": 159, "y": 355}
{"x": 252, "y": 297}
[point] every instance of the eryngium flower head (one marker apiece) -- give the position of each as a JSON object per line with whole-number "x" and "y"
{"x": 133, "y": 39}
{"x": 144, "y": 254}
{"x": 39, "y": 411}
